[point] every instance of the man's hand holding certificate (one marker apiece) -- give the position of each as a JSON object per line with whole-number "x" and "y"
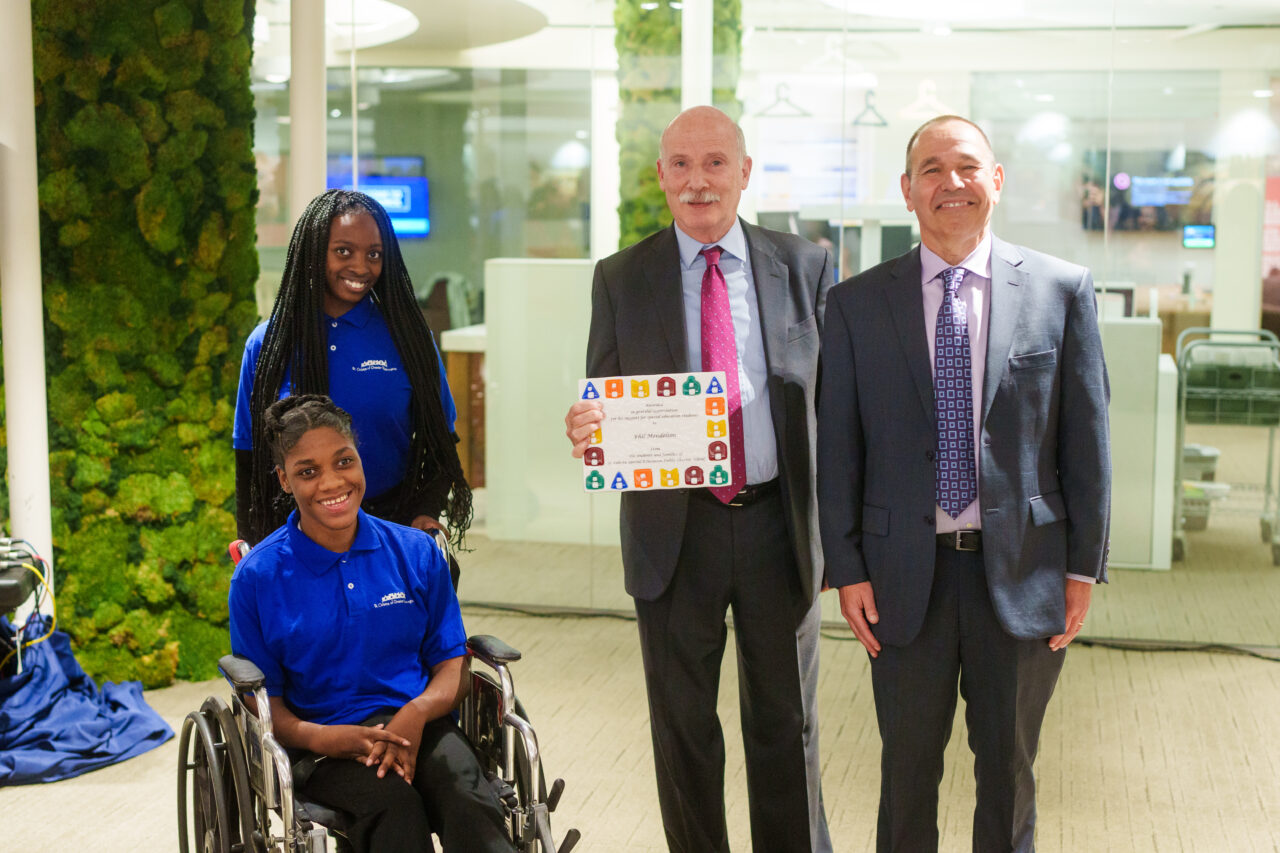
{"x": 662, "y": 431}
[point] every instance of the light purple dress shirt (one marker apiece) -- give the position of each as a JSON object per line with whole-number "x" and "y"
{"x": 975, "y": 291}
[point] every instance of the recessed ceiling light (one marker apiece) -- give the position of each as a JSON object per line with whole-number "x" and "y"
{"x": 335, "y": 113}
{"x": 1044, "y": 98}
{"x": 1262, "y": 93}
{"x": 648, "y": 7}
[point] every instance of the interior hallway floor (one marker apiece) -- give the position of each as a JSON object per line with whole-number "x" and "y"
{"x": 1142, "y": 751}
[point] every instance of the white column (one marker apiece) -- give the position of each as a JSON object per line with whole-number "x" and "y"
{"x": 606, "y": 174}
{"x": 26, "y": 402}
{"x": 696, "y": 53}
{"x": 1239, "y": 178}
{"x": 307, "y": 104}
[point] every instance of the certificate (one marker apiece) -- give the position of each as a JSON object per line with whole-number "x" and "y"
{"x": 662, "y": 431}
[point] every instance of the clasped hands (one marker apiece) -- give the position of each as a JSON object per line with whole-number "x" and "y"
{"x": 392, "y": 747}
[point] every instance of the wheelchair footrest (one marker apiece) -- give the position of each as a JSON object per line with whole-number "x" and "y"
{"x": 503, "y": 790}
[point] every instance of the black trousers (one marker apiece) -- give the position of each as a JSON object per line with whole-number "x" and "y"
{"x": 449, "y": 796}
{"x": 739, "y": 558}
{"x": 1006, "y": 683}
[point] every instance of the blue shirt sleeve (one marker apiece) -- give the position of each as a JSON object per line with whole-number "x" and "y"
{"x": 446, "y": 395}
{"x": 445, "y": 638}
{"x": 246, "y": 630}
{"x": 242, "y": 426}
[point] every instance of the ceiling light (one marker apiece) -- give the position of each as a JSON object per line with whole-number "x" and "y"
{"x": 648, "y": 7}
{"x": 367, "y": 23}
{"x": 1044, "y": 98}
{"x": 335, "y": 113}
{"x": 571, "y": 156}
{"x": 932, "y": 10}
{"x": 1262, "y": 93}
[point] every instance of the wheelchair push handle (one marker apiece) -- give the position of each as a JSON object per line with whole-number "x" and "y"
{"x": 237, "y": 550}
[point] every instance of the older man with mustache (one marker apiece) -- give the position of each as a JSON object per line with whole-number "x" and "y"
{"x": 714, "y": 293}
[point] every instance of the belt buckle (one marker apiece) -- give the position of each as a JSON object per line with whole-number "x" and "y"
{"x": 960, "y": 541}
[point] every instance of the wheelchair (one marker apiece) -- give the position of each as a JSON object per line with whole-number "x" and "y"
{"x": 236, "y": 785}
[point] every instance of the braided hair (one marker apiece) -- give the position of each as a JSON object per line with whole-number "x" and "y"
{"x": 287, "y": 421}
{"x": 295, "y": 343}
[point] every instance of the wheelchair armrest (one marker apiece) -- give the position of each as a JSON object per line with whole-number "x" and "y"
{"x": 242, "y": 673}
{"x": 491, "y": 649}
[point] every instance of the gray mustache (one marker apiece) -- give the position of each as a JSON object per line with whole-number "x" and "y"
{"x": 704, "y": 197}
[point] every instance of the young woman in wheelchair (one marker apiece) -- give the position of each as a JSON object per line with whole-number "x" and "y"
{"x": 355, "y": 624}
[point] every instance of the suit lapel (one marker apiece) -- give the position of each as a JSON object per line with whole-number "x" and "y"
{"x": 661, "y": 271}
{"x": 1007, "y": 289}
{"x": 906, "y": 306}
{"x": 769, "y": 275}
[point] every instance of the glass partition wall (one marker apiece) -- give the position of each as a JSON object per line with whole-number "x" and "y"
{"x": 1138, "y": 139}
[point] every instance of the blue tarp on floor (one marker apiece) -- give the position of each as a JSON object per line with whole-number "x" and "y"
{"x": 55, "y": 723}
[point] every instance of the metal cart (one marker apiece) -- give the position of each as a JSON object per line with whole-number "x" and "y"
{"x": 1232, "y": 378}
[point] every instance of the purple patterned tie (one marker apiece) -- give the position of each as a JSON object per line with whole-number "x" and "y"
{"x": 720, "y": 352}
{"x": 953, "y": 400}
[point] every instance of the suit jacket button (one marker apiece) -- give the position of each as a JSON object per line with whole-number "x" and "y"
{"x": 929, "y": 455}
{"x": 929, "y": 520}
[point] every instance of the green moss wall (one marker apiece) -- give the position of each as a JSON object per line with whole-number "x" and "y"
{"x": 147, "y": 192}
{"x": 648, "y": 45}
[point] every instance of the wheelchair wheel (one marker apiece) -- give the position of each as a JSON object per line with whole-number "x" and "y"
{"x": 215, "y": 804}
{"x": 200, "y": 768}
{"x": 237, "y": 773}
{"x": 524, "y": 780}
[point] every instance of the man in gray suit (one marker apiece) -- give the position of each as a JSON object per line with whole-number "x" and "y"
{"x": 965, "y": 554}
{"x": 689, "y": 555}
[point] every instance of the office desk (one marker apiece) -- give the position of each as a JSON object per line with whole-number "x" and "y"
{"x": 1176, "y": 311}
{"x": 463, "y": 351}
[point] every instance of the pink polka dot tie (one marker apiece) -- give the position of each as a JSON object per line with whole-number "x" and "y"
{"x": 720, "y": 352}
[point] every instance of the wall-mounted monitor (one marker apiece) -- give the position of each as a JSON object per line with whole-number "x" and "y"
{"x": 399, "y": 184}
{"x": 1197, "y": 236}
{"x": 1154, "y": 190}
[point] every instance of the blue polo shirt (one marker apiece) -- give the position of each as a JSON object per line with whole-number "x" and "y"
{"x": 341, "y": 637}
{"x": 367, "y": 378}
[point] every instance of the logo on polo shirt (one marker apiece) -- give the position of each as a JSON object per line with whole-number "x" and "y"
{"x": 393, "y": 598}
{"x": 375, "y": 364}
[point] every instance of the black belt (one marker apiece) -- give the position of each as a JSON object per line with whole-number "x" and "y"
{"x": 747, "y": 496}
{"x": 961, "y": 540}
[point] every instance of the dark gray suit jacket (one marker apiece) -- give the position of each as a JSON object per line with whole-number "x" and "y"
{"x": 1044, "y": 458}
{"x": 638, "y": 326}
